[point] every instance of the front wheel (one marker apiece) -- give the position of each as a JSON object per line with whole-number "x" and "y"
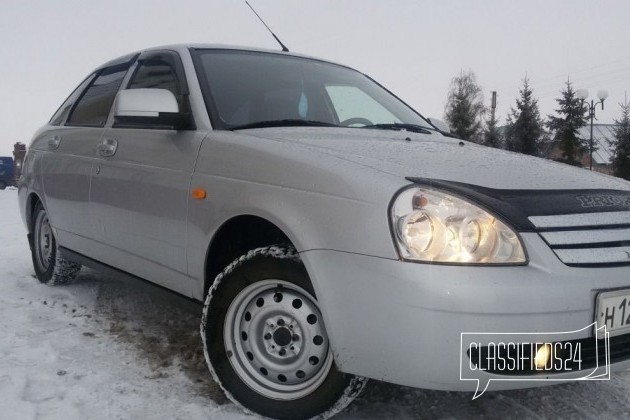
{"x": 50, "y": 266}
{"x": 265, "y": 340}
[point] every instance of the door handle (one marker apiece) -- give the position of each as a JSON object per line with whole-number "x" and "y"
{"x": 53, "y": 142}
{"x": 107, "y": 147}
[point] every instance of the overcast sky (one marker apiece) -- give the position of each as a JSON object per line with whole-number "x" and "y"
{"x": 413, "y": 47}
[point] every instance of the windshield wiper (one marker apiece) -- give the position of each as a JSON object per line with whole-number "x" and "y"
{"x": 401, "y": 126}
{"x": 284, "y": 123}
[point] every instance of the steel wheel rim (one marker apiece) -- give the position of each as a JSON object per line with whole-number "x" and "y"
{"x": 44, "y": 241}
{"x": 276, "y": 341}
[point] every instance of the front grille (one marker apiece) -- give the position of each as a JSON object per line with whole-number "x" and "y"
{"x": 484, "y": 358}
{"x": 589, "y": 239}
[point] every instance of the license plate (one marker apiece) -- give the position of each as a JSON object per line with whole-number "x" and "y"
{"x": 613, "y": 310}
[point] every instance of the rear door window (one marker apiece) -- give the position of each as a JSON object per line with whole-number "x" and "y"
{"x": 93, "y": 108}
{"x": 64, "y": 109}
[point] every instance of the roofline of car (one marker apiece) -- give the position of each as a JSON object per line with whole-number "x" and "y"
{"x": 185, "y": 47}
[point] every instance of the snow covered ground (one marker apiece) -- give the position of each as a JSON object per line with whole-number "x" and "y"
{"x": 110, "y": 348}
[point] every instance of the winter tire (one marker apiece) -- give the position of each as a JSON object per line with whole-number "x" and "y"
{"x": 3, "y": 185}
{"x": 265, "y": 341}
{"x": 50, "y": 267}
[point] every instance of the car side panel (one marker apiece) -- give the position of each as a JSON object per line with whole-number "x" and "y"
{"x": 65, "y": 174}
{"x": 138, "y": 204}
{"x": 30, "y": 183}
{"x": 326, "y": 206}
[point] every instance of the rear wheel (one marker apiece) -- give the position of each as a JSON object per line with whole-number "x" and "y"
{"x": 50, "y": 267}
{"x": 265, "y": 340}
{"x": 3, "y": 185}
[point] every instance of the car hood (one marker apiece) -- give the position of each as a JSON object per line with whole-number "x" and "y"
{"x": 433, "y": 156}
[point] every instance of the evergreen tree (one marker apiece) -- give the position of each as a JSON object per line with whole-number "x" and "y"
{"x": 524, "y": 127}
{"x": 621, "y": 144}
{"x": 571, "y": 117}
{"x": 464, "y": 107}
{"x": 491, "y": 135}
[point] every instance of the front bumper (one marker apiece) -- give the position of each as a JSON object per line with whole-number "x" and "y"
{"x": 402, "y": 322}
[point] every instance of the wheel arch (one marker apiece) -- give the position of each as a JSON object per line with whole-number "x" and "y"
{"x": 235, "y": 237}
{"x": 31, "y": 201}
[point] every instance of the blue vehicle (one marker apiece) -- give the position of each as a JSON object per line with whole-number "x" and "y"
{"x": 6, "y": 172}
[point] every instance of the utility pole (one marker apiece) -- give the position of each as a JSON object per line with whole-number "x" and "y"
{"x": 493, "y": 105}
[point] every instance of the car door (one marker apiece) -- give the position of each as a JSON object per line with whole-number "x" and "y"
{"x": 68, "y": 148}
{"x": 140, "y": 184}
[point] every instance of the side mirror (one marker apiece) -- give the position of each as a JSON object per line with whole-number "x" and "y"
{"x": 440, "y": 125}
{"x": 148, "y": 108}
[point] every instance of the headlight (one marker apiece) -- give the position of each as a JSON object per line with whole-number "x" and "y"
{"x": 434, "y": 226}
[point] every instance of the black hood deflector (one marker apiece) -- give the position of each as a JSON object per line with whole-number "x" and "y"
{"x": 515, "y": 206}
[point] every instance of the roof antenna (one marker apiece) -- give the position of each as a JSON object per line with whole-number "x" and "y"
{"x": 284, "y": 48}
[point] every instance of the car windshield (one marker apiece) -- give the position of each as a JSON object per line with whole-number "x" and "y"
{"x": 245, "y": 89}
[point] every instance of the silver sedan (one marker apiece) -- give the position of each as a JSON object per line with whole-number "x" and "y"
{"x": 332, "y": 232}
